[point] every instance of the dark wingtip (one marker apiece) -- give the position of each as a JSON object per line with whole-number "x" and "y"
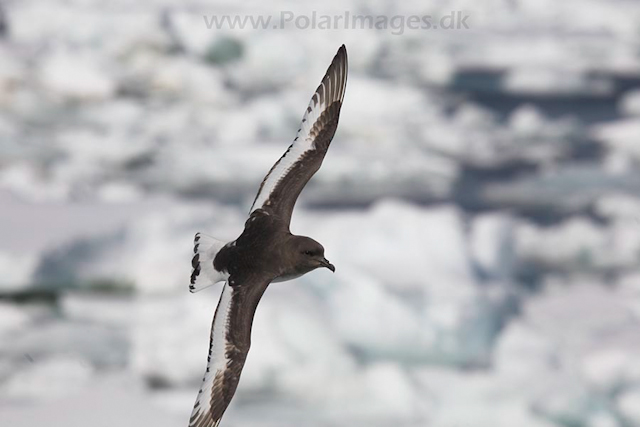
{"x": 341, "y": 55}
{"x": 336, "y": 76}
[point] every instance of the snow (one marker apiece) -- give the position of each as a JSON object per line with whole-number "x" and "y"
{"x": 630, "y": 103}
{"x": 571, "y": 189}
{"x": 171, "y": 337}
{"x": 579, "y": 244}
{"x": 559, "y": 327}
{"x": 108, "y": 402}
{"x": 479, "y": 399}
{"x": 546, "y": 80}
{"x": 73, "y": 78}
{"x": 13, "y": 319}
{"x": 492, "y": 244}
{"x": 436, "y": 245}
{"x": 11, "y": 76}
{"x": 620, "y": 136}
{"x": 608, "y": 369}
{"x": 628, "y": 404}
{"x": 16, "y": 270}
{"x": 265, "y": 68}
{"x": 49, "y": 378}
{"x": 523, "y": 350}
{"x": 576, "y": 243}
{"x": 106, "y": 309}
{"x": 479, "y": 201}
{"x": 618, "y": 206}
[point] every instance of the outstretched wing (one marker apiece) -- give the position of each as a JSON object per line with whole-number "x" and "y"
{"x": 228, "y": 348}
{"x": 286, "y": 179}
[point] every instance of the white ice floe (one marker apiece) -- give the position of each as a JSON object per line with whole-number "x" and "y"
{"x": 583, "y": 308}
{"x": 75, "y": 78}
{"x": 106, "y": 400}
{"x": 102, "y": 149}
{"x": 113, "y": 114}
{"x": 628, "y": 403}
{"x": 119, "y": 192}
{"x": 382, "y": 392}
{"x": 573, "y": 347}
{"x": 611, "y": 369}
{"x": 383, "y": 113}
{"x": 629, "y": 284}
{"x": 630, "y": 103}
{"x": 171, "y": 337}
{"x": 480, "y": 399}
{"x": 380, "y": 307}
{"x": 96, "y": 344}
{"x": 415, "y": 279}
{"x": 105, "y": 309}
{"x": 541, "y": 137}
{"x": 26, "y": 180}
{"x": 16, "y": 270}
{"x": 379, "y": 325}
{"x": 180, "y": 78}
{"x": 603, "y": 419}
{"x": 292, "y": 347}
{"x": 579, "y": 244}
{"x": 620, "y": 135}
{"x": 521, "y": 351}
{"x": 492, "y": 244}
{"x": 12, "y": 319}
{"x": 472, "y": 134}
{"x": 574, "y": 244}
{"x": 12, "y": 75}
{"x": 270, "y": 61}
{"x": 617, "y": 206}
{"x": 150, "y": 250}
{"x": 47, "y": 379}
{"x": 148, "y": 107}
{"x": 544, "y": 80}
{"x": 393, "y": 238}
{"x": 572, "y": 188}
{"x": 190, "y": 31}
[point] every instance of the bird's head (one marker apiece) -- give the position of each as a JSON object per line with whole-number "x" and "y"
{"x": 309, "y": 254}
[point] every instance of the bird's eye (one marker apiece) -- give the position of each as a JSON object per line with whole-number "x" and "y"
{"x": 309, "y": 253}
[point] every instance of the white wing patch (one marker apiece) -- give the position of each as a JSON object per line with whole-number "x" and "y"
{"x": 217, "y": 360}
{"x": 331, "y": 89}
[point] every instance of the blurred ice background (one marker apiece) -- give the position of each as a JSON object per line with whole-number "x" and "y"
{"x": 481, "y": 202}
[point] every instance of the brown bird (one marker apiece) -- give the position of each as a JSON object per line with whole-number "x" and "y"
{"x": 266, "y": 251}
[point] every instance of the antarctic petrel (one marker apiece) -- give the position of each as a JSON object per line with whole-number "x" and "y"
{"x": 266, "y": 251}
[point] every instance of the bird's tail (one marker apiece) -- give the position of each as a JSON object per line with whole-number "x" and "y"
{"x": 203, "y": 274}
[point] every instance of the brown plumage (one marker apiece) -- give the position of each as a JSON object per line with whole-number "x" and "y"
{"x": 266, "y": 251}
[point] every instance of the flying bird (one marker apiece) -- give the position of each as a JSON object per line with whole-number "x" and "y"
{"x": 266, "y": 251}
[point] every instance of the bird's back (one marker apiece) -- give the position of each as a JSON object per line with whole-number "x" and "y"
{"x": 257, "y": 250}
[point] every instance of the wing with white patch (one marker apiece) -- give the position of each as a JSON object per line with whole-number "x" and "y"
{"x": 228, "y": 349}
{"x": 286, "y": 179}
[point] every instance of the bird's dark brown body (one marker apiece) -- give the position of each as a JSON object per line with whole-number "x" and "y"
{"x": 266, "y": 251}
{"x": 259, "y": 249}
{"x": 267, "y": 247}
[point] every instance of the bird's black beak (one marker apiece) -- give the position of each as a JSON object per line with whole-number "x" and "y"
{"x": 325, "y": 263}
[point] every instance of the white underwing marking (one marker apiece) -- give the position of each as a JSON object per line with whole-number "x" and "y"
{"x": 331, "y": 90}
{"x": 217, "y": 359}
